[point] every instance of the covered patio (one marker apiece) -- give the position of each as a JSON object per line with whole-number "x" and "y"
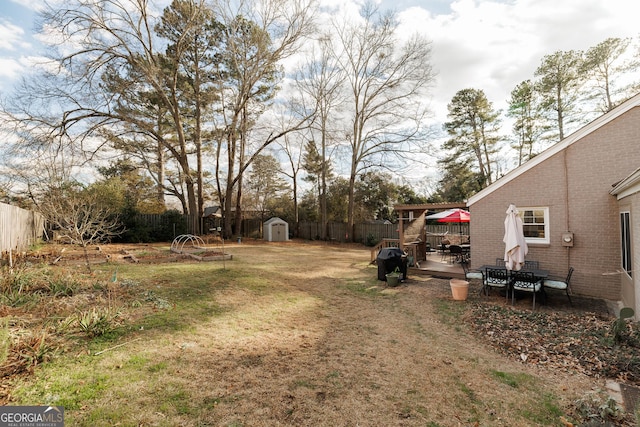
{"x": 421, "y": 245}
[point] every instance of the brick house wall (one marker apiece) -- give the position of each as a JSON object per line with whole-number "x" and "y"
{"x": 573, "y": 180}
{"x": 628, "y": 196}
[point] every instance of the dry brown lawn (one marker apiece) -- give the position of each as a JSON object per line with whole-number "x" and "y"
{"x": 301, "y": 334}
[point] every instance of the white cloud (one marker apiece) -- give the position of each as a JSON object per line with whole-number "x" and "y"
{"x": 10, "y": 69}
{"x": 11, "y": 37}
{"x": 494, "y": 45}
{"x": 35, "y": 5}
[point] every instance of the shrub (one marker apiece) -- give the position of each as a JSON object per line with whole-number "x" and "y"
{"x": 371, "y": 240}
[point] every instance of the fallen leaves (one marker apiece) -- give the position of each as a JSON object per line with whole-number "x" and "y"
{"x": 559, "y": 340}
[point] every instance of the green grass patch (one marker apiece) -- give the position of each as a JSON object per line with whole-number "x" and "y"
{"x": 71, "y": 386}
{"x": 158, "y": 367}
{"x": 181, "y": 294}
{"x": 102, "y": 416}
{"x": 449, "y": 312}
{"x": 546, "y": 412}
{"x": 137, "y": 362}
{"x": 512, "y": 380}
{"x": 176, "y": 399}
{"x": 362, "y": 287}
{"x": 5, "y": 344}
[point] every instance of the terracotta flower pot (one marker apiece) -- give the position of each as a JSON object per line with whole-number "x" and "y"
{"x": 459, "y": 289}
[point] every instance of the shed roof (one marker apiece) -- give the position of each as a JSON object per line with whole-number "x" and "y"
{"x": 274, "y": 219}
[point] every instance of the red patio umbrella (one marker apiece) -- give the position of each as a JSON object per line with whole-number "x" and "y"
{"x": 457, "y": 215}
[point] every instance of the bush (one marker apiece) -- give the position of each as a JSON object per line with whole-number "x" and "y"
{"x": 173, "y": 224}
{"x": 371, "y": 240}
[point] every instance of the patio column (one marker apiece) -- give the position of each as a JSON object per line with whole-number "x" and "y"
{"x": 401, "y": 231}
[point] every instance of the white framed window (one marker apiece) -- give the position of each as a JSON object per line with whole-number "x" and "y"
{"x": 535, "y": 222}
{"x": 625, "y": 237}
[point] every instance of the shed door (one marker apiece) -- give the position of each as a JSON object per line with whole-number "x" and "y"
{"x": 278, "y": 233}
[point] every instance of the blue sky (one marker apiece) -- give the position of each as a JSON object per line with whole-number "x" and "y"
{"x": 16, "y": 40}
{"x": 486, "y": 44}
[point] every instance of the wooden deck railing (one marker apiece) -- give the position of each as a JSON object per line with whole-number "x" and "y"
{"x": 415, "y": 250}
{"x": 384, "y": 243}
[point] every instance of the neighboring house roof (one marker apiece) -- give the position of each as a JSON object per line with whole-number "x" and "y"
{"x": 379, "y": 221}
{"x": 212, "y": 211}
{"x": 566, "y": 142}
{"x": 628, "y": 186}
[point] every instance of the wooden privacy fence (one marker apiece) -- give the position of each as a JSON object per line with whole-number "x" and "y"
{"x": 456, "y": 233}
{"x": 365, "y": 233}
{"x": 19, "y": 228}
{"x": 337, "y": 231}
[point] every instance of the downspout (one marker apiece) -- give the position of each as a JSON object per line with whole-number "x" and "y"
{"x": 566, "y": 204}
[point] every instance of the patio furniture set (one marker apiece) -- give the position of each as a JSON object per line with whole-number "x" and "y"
{"x": 530, "y": 279}
{"x": 456, "y": 253}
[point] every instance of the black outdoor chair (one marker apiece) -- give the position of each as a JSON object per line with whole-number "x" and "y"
{"x": 471, "y": 274}
{"x": 455, "y": 253}
{"x": 428, "y": 249}
{"x": 531, "y": 265}
{"x": 560, "y": 284}
{"x": 525, "y": 281}
{"x": 444, "y": 248}
{"x": 496, "y": 278}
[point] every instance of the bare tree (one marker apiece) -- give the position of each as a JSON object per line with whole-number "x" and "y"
{"x": 320, "y": 83}
{"x": 259, "y": 34}
{"x": 386, "y": 82}
{"x": 163, "y": 87}
{"x": 79, "y": 215}
{"x": 292, "y": 150}
{"x": 113, "y": 86}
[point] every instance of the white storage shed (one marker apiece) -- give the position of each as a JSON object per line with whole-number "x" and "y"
{"x": 276, "y": 230}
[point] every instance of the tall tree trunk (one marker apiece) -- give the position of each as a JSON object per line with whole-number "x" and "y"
{"x": 160, "y": 174}
{"x": 238, "y": 213}
{"x": 351, "y": 210}
{"x": 323, "y": 183}
{"x": 241, "y": 165}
